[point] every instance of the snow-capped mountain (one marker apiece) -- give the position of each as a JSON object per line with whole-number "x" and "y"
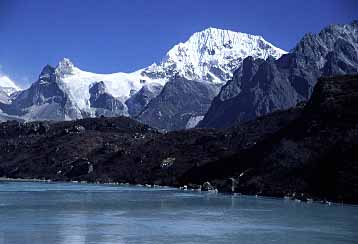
{"x": 209, "y": 57}
{"x": 67, "y": 92}
{"x": 212, "y": 55}
{"x": 77, "y": 83}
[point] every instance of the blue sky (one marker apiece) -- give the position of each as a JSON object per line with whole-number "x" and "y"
{"x": 125, "y": 35}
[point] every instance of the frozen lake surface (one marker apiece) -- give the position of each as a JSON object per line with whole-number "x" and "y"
{"x": 33, "y": 212}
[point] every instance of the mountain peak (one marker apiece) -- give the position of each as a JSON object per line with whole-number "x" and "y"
{"x": 213, "y": 54}
{"x": 213, "y": 30}
{"x": 65, "y": 67}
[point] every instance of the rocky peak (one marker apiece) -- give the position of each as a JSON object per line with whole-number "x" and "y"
{"x": 47, "y": 73}
{"x": 325, "y": 40}
{"x": 65, "y": 67}
{"x": 97, "y": 89}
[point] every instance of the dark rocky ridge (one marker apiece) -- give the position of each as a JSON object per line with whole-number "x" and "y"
{"x": 315, "y": 155}
{"x": 121, "y": 149}
{"x": 4, "y": 97}
{"x": 263, "y": 86}
{"x": 310, "y": 150}
{"x": 138, "y": 102}
{"x": 103, "y": 102}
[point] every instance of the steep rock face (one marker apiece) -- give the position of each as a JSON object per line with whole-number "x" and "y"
{"x": 4, "y": 97}
{"x": 104, "y": 103}
{"x": 137, "y": 102}
{"x": 44, "y": 100}
{"x": 178, "y": 102}
{"x": 260, "y": 87}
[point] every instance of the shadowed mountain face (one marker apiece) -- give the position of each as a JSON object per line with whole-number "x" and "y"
{"x": 4, "y": 97}
{"x": 104, "y": 103}
{"x": 138, "y": 102}
{"x": 262, "y": 86}
{"x": 45, "y": 100}
{"x": 310, "y": 151}
{"x": 179, "y": 101}
{"x": 315, "y": 154}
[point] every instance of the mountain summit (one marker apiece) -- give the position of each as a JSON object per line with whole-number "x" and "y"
{"x": 212, "y": 55}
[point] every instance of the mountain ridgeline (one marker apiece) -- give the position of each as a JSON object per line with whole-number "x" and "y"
{"x": 197, "y": 68}
{"x": 262, "y": 86}
{"x": 216, "y": 78}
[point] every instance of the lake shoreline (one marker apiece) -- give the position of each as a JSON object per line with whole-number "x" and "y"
{"x": 323, "y": 202}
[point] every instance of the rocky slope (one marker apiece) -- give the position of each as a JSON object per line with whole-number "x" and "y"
{"x": 262, "y": 86}
{"x": 307, "y": 151}
{"x": 315, "y": 155}
{"x": 179, "y": 102}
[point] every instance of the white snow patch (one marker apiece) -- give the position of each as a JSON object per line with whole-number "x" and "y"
{"x": 193, "y": 121}
{"x": 213, "y": 50}
{"x": 7, "y": 85}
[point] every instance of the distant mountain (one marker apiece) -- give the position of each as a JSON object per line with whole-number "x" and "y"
{"x": 66, "y": 92}
{"x": 262, "y": 86}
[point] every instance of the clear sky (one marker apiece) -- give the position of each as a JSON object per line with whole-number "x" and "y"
{"x": 125, "y": 35}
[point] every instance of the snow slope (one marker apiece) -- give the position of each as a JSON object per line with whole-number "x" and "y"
{"x": 213, "y": 54}
{"x": 7, "y": 85}
{"x": 120, "y": 85}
